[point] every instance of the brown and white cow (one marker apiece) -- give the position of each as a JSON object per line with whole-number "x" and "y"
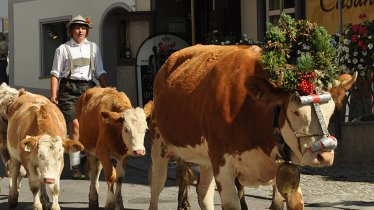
{"x": 110, "y": 128}
{"x": 213, "y": 106}
{"x": 36, "y": 139}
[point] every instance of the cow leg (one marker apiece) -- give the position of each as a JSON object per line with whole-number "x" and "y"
{"x": 3, "y": 148}
{"x": 241, "y": 194}
{"x": 157, "y": 173}
{"x": 94, "y": 169}
{"x": 120, "y": 170}
{"x": 110, "y": 177}
{"x": 277, "y": 201}
{"x": 44, "y": 196}
{"x": 35, "y": 187}
{"x": 14, "y": 183}
{"x": 55, "y": 190}
{"x": 294, "y": 200}
{"x": 205, "y": 189}
{"x": 184, "y": 176}
{"x": 225, "y": 180}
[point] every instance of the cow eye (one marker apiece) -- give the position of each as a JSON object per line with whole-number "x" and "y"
{"x": 296, "y": 113}
{"x": 41, "y": 156}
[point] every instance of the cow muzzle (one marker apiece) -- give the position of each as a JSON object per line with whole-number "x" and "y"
{"x": 138, "y": 152}
{"x": 49, "y": 180}
{"x": 324, "y": 159}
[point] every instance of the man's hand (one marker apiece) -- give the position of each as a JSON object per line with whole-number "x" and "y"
{"x": 54, "y": 100}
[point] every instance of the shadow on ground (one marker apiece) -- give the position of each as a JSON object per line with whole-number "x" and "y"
{"x": 343, "y": 172}
{"x": 343, "y": 204}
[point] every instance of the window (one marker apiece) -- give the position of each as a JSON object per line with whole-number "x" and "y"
{"x": 275, "y": 7}
{"x": 52, "y": 35}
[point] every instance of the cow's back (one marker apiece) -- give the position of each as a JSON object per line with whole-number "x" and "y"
{"x": 200, "y": 91}
{"x": 89, "y": 108}
{"x": 33, "y": 115}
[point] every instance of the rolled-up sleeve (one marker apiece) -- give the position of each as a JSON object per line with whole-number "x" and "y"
{"x": 58, "y": 62}
{"x": 99, "y": 68}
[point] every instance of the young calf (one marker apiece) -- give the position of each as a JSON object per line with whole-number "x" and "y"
{"x": 37, "y": 140}
{"x": 110, "y": 128}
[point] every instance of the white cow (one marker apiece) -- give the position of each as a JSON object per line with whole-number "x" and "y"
{"x": 37, "y": 140}
{"x": 7, "y": 96}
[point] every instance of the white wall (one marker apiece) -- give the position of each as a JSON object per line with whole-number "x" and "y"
{"x": 3, "y": 8}
{"x": 26, "y": 17}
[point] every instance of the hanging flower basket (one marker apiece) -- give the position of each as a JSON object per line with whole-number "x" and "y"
{"x": 356, "y": 47}
{"x": 299, "y": 56}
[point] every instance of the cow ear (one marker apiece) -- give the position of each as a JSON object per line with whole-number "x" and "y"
{"x": 29, "y": 143}
{"x": 72, "y": 145}
{"x": 111, "y": 117}
{"x": 148, "y": 108}
{"x": 344, "y": 83}
{"x": 263, "y": 91}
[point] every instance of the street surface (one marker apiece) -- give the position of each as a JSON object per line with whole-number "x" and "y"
{"x": 337, "y": 187}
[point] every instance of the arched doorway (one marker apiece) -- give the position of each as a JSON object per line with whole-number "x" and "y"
{"x": 121, "y": 33}
{"x": 109, "y": 39}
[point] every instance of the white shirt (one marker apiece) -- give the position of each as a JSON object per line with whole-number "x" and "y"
{"x": 61, "y": 64}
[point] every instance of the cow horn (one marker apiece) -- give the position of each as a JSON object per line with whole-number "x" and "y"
{"x": 280, "y": 79}
{"x": 347, "y": 80}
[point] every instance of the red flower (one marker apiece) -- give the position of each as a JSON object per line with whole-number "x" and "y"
{"x": 88, "y": 20}
{"x": 361, "y": 44}
{"x": 363, "y": 31}
{"x": 362, "y": 16}
{"x": 355, "y": 27}
{"x": 354, "y": 38}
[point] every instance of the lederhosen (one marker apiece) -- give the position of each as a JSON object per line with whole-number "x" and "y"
{"x": 70, "y": 90}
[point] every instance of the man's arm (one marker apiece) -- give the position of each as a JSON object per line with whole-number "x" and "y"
{"x": 54, "y": 88}
{"x": 103, "y": 81}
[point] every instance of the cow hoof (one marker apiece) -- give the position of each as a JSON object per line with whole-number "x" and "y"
{"x": 55, "y": 207}
{"x": 109, "y": 206}
{"x": 12, "y": 202}
{"x": 38, "y": 206}
{"x": 276, "y": 206}
{"x": 184, "y": 207}
{"x": 94, "y": 205}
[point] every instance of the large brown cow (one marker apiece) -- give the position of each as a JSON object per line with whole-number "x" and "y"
{"x": 36, "y": 139}
{"x": 109, "y": 127}
{"x": 213, "y": 107}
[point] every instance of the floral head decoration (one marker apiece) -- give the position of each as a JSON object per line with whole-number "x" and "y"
{"x": 88, "y": 21}
{"x": 299, "y": 56}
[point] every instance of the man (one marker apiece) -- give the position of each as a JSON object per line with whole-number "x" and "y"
{"x": 3, "y": 59}
{"x": 75, "y": 64}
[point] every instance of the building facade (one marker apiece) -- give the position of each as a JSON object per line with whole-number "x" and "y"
{"x": 120, "y": 27}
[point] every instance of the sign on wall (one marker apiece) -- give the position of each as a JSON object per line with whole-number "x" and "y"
{"x": 152, "y": 54}
{"x": 326, "y": 12}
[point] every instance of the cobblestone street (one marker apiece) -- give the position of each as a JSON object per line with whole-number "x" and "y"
{"x": 342, "y": 186}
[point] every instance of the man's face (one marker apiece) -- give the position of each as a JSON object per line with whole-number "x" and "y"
{"x": 79, "y": 33}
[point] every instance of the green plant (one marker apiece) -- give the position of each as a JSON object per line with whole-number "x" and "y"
{"x": 301, "y": 54}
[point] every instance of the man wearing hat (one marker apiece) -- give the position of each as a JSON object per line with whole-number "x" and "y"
{"x": 76, "y": 63}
